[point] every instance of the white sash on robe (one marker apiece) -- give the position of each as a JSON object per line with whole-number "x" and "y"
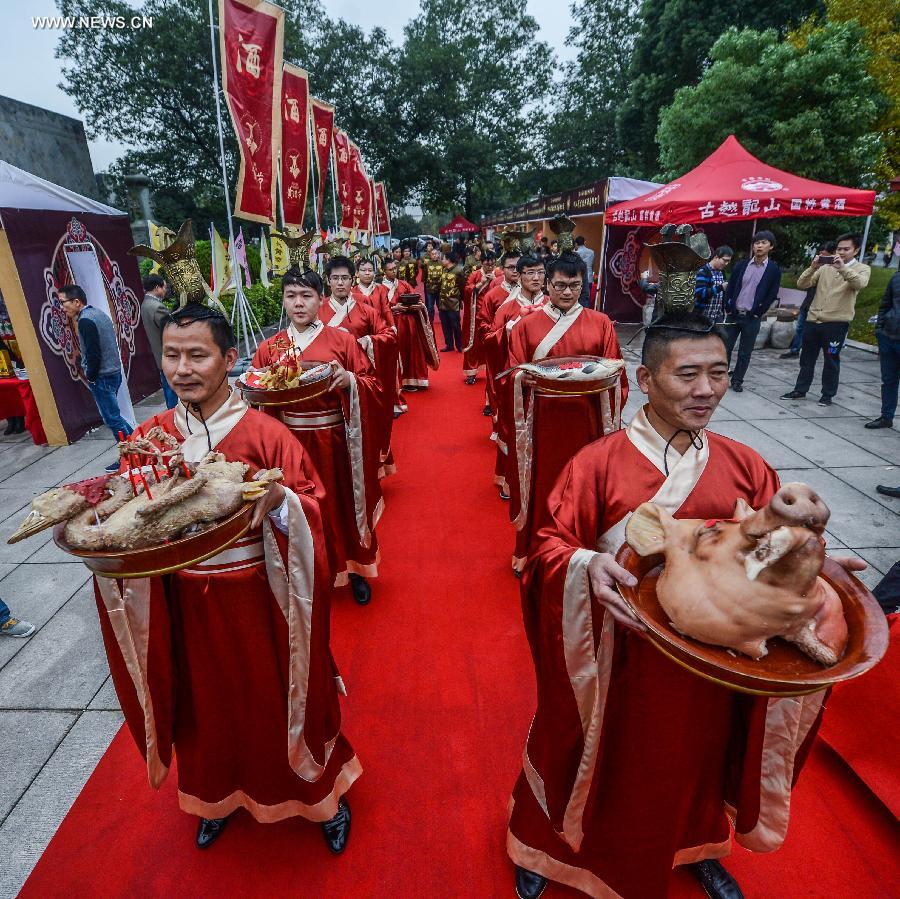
{"x": 564, "y": 321}
{"x": 341, "y": 311}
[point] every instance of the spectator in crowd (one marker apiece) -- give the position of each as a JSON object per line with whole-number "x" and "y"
{"x": 450, "y": 293}
{"x": 99, "y": 358}
{"x": 13, "y": 627}
{"x": 887, "y": 332}
{"x": 750, "y": 292}
{"x": 837, "y": 285}
{"x": 544, "y": 248}
{"x": 587, "y": 257}
{"x": 709, "y": 291}
{"x": 153, "y": 315}
{"x": 793, "y": 352}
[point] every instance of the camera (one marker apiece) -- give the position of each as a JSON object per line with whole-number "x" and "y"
{"x": 826, "y": 260}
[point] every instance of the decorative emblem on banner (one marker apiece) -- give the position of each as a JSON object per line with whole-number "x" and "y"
{"x": 323, "y": 125}
{"x": 125, "y": 308}
{"x": 298, "y": 245}
{"x": 625, "y": 267}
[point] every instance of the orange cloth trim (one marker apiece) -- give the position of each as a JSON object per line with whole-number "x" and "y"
{"x": 269, "y": 814}
{"x": 702, "y": 853}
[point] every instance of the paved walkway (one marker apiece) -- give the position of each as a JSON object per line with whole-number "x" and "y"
{"x": 58, "y": 711}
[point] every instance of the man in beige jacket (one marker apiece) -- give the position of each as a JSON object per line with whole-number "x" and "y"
{"x": 837, "y": 279}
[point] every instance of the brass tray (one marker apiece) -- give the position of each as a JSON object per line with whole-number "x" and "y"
{"x": 308, "y": 389}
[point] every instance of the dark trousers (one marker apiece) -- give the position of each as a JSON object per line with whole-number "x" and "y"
{"x": 745, "y": 327}
{"x": 5, "y": 614}
{"x": 450, "y": 325}
{"x": 431, "y": 301}
{"x": 104, "y": 391}
{"x": 889, "y": 356}
{"x": 169, "y": 395}
{"x": 828, "y": 337}
{"x": 797, "y": 342}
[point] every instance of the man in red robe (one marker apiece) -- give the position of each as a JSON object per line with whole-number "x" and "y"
{"x": 365, "y": 313}
{"x": 634, "y": 764}
{"x": 477, "y": 284}
{"x": 339, "y": 429}
{"x": 543, "y": 431}
{"x": 523, "y": 299}
{"x": 393, "y": 288}
{"x": 228, "y": 661}
{"x": 484, "y": 320}
{"x": 415, "y": 337}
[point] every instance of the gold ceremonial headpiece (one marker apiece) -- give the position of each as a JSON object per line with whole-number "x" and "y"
{"x": 528, "y": 242}
{"x": 179, "y": 259}
{"x": 298, "y": 245}
{"x": 510, "y": 239}
{"x": 364, "y": 251}
{"x": 333, "y": 248}
{"x": 562, "y": 226}
{"x": 678, "y": 256}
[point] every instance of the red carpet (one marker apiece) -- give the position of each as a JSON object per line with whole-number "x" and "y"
{"x": 441, "y": 693}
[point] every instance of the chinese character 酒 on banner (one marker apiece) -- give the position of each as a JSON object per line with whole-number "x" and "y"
{"x": 251, "y": 42}
{"x": 294, "y": 143}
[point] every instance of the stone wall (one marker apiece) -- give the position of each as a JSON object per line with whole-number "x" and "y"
{"x": 47, "y": 144}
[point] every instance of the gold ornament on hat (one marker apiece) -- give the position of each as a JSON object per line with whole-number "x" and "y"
{"x": 678, "y": 256}
{"x": 510, "y": 239}
{"x": 298, "y": 245}
{"x": 179, "y": 260}
{"x": 528, "y": 242}
{"x": 562, "y": 226}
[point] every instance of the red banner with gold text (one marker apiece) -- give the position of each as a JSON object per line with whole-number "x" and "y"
{"x": 251, "y": 34}
{"x": 294, "y": 143}
{"x": 382, "y": 214}
{"x": 343, "y": 164}
{"x": 361, "y": 188}
{"x": 323, "y": 125}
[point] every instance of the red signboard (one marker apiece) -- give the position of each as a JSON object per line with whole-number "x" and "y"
{"x": 323, "y": 125}
{"x": 382, "y": 213}
{"x": 252, "y": 43}
{"x": 343, "y": 165}
{"x": 294, "y": 143}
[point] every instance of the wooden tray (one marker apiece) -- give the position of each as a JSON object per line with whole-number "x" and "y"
{"x": 556, "y": 386}
{"x": 410, "y": 299}
{"x": 785, "y": 671}
{"x": 152, "y": 561}
{"x": 304, "y": 391}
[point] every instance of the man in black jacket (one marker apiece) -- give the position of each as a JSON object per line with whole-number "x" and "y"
{"x": 887, "y": 331}
{"x": 752, "y": 289}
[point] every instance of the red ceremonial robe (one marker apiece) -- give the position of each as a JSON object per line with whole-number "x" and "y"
{"x": 632, "y": 762}
{"x": 378, "y": 339}
{"x": 488, "y": 304}
{"x": 496, "y": 347}
{"x": 392, "y": 291}
{"x": 471, "y": 338}
{"x": 415, "y": 338}
{"x": 340, "y": 433}
{"x": 229, "y": 661}
{"x": 541, "y": 441}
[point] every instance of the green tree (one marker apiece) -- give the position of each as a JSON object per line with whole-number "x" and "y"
{"x": 582, "y": 144}
{"x": 152, "y": 89}
{"x": 818, "y": 121}
{"x": 672, "y": 51}
{"x": 468, "y": 114}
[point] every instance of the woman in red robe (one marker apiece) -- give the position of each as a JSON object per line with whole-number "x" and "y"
{"x": 252, "y": 621}
{"x": 339, "y": 429}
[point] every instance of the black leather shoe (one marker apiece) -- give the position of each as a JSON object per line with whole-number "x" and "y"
{"x": 793, "y": 395}
{"x": 337, "y": 830}
{"x": 737, "y": 388}
{"x": 209, "y": 830}
{"x": 881, "y": 422}
{"x": 528, "y": 884}
{"x": 10, "y": 424}
{"x": 824, "y": 400}
{"x": 18, "y": 425}
{"x": 362, "y": 592}
{"x": 717, "y": 883}
{"x": 888, "y": 491}
{"x": 487, "y": 411}
{"x": 470, "y": 379}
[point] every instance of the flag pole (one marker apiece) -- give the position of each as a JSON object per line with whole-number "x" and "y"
{"x": 239, "y": 299}
{"x": 337, "y": 221}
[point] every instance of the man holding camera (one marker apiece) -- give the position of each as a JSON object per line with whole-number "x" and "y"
{"x": 838, "y": 279}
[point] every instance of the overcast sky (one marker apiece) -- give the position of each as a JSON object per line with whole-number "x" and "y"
{"x": 30, "y": 72}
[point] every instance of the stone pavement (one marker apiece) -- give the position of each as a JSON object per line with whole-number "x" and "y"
{"x": 58, "y": 711}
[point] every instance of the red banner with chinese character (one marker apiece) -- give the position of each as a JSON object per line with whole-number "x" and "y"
{"x": 361, "y": 187}
{"x": 251, "y": 34}
{"x": 382, "y": 214}
{"x": 343, "y": 165}
{"x": 323, "y": 125}
{"x": 294, "y": 143}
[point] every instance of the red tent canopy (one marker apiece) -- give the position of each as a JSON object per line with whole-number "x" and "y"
{"x": 731, "y": 185}
{"x": 459, "y": 225}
